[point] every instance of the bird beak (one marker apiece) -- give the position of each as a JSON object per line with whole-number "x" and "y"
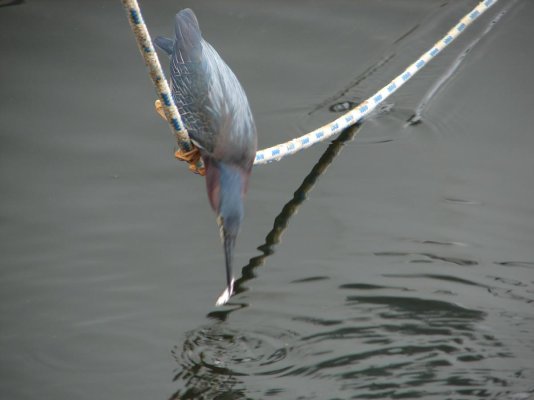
{"x": 229, "y": 244}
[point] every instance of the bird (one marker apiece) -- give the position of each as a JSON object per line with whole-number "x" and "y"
{"x": 217, "y": 115}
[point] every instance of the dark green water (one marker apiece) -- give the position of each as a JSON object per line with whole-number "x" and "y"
{"x": 407, "y": 272}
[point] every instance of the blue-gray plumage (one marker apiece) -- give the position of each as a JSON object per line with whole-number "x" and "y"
{"x": 216, "y": 113}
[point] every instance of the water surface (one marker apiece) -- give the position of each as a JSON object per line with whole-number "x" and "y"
{"x": 402, "y": 267}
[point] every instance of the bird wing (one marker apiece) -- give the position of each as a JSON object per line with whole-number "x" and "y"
{"x": 230, "y": 115}
{"x": 190, "y": 80}
{"x": 210, "y": 99}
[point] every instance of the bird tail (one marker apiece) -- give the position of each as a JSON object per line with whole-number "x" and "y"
{"x": 188, "y": 35}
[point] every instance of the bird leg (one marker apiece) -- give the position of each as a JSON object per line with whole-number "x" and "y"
{"x": 191, "y": 157}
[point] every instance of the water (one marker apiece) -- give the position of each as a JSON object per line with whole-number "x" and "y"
{"x": 402, "y": 267}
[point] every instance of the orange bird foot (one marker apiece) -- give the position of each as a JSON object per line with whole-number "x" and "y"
{"x": 191, "y": 157}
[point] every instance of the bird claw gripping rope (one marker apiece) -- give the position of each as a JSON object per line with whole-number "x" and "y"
{"x": 191, "y": 157}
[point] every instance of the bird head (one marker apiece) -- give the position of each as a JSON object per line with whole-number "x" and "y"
{"x": 226, "y": 184}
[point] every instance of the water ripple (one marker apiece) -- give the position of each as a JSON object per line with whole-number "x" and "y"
{"x": 524, "y": 264}
{"x": 375, "y": 344}
{"x": 429, "y": 257}
{"x": 217, "y": 350}
{"x": 435, "y": 348}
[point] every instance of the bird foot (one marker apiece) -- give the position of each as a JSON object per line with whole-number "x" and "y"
{"x": 192, "y": 158}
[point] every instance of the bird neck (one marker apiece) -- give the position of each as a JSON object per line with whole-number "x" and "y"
{"x": 231, "y": 191}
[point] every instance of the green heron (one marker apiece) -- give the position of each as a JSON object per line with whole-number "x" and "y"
{"x": 217, "y": 116}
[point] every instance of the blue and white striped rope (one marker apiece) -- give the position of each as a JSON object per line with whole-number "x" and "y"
{"x": 355, "y": 115}
{"x": 144, "y": 42}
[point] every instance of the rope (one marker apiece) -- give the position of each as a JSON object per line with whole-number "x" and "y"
{"x": 275, "y": 153}
{"x": 144, "y": 42}
{"x": 355, "y": 115}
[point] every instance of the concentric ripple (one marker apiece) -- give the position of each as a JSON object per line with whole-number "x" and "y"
{"x": 212, "y": 359}
{"x": 219, "y": 349}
